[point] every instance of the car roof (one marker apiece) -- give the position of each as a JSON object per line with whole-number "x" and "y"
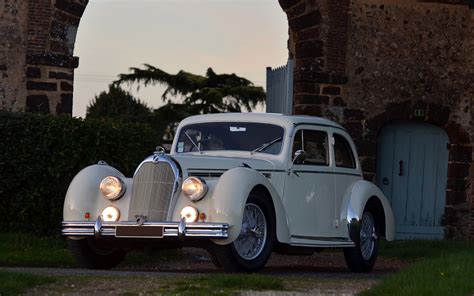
{"x": 272, "y": 118}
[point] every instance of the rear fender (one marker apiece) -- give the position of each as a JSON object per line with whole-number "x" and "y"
{"x": 229, "y": 198}
{"x": 355, "y": 201}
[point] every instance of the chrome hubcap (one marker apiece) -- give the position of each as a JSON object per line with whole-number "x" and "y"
{"x": 368, "y": 236}
{"x": 253, "y": 235}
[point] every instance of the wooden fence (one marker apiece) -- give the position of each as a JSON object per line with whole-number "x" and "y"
{"x": 280, "y": 89}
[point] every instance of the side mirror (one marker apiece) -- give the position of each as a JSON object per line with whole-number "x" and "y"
{"x": 300, "y": 156}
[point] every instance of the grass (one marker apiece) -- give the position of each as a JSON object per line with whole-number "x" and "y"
{"x": 222, "y": 284}
{"x": 439, "y": 268}
{"x": 27, "y": 250}
{"x": 12, "y": 283}
{"x": 419, "y": 249}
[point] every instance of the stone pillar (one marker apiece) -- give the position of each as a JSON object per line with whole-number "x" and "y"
{"x": 13, "y": 19}
{"x": 318, "y": 41}
{"x": 36, "y": 54}
{"x": 50, "y": 63}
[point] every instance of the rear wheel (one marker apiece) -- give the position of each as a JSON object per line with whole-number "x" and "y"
{"x": 96, "y": 254}
{"x": 252, "y": 248}
{"x": 362, "y": 257}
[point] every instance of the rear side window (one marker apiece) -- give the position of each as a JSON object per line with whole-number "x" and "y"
{"x": 315, "y": 144}
{"x": 343, "y": 153}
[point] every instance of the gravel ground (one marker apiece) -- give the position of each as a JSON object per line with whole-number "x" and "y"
{"x": 322, "y": 273}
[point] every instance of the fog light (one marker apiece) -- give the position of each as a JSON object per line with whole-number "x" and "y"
{"x": 190, "y": 214}
{"x": 110, "y": 214}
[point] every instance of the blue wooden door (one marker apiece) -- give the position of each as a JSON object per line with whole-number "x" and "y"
{"x": 412, "y": 166}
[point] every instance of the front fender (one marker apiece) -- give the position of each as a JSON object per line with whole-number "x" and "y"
{"x": 229, "y": 198}
{"x": 83, "y": 195}
{"x": 355, "y": 200}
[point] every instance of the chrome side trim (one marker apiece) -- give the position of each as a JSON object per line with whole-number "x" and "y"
{"x": 170, "y": 229}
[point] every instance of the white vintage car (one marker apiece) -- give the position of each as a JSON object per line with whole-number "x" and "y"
{"x": 240, "y": 185}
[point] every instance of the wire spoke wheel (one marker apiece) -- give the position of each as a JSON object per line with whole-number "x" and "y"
{"x": 368, "y": 236}
{"x": 253, "y": 235}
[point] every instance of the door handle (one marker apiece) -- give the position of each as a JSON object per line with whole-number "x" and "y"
{"x": 291, "y": 171}
{"x": 385, "y": 181}
{"x": 400, "y": 169}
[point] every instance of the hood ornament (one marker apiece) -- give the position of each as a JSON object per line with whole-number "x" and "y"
{"x": 159, "y": 150}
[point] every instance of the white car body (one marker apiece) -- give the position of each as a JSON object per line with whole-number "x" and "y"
{"x": 315, "y": 206}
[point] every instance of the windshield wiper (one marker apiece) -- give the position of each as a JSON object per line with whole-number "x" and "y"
{"x": 189, "y": 137}
{"x": 266, "y": 145}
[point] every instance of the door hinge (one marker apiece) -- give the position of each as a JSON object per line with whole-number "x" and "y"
{"x": 336, "y": 223}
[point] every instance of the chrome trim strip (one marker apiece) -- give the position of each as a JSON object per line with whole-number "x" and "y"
{"x": 328, "y": 239}
{"x": 170, "y": 229}
{"x": 338, "y": 245}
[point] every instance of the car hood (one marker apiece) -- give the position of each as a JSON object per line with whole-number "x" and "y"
{"x": 208, "y": 163}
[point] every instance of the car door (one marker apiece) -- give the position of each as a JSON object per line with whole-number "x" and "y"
{"x": 309, "y": 187}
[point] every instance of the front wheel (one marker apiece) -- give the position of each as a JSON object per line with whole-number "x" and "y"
{"x": 96, "y": 254}
{"x": 362, "y": 257}
{"x": 253, "y": 247}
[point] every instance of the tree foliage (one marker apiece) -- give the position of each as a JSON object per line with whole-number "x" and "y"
{"x": 118, "y": 104}
{"x": 213, "y": 93}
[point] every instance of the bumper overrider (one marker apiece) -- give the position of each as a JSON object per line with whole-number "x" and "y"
{"x": 153, "y": 230}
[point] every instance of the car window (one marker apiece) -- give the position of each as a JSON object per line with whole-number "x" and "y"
{"x": 235, "y": 136}
{"x": 343, "y": 153}
{"x": 315, "y": 144}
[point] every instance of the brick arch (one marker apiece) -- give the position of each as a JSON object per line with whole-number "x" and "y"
{"x": 460, "y": 155}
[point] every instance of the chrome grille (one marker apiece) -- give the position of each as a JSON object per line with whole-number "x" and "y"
{"x": 152, "y": 191}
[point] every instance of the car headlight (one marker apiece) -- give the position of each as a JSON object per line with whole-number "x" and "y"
{"x": 110, "y": 214}
{"x": 194, "y": 188}
{"x": 112, "y": 188}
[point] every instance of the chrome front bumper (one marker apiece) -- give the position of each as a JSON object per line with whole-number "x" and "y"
{"x": 153, "y": 230}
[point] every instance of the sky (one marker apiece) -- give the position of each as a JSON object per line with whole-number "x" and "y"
{"x": 231, "y": 36}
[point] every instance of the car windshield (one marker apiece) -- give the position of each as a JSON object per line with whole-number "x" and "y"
{"x": 236, "y": 136}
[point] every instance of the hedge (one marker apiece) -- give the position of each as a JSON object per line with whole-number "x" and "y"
{"x": 40, "y": 155}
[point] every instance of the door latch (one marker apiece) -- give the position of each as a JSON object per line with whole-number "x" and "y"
{"x": 400, "y": 171}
